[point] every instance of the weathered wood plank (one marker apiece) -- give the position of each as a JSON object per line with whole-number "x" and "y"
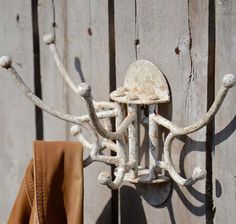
{"x": 16, "y": 113}
{"x": 82, "y": 39}
{"x": 125, "y": 35}
{"x": 224, "y": 156}
{"x": 174, "y": 37}
{"x": 52, "y": 19}
{"x": 88, "y": 55}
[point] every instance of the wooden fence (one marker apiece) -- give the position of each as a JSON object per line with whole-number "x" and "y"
{"x": 192, "y": 42}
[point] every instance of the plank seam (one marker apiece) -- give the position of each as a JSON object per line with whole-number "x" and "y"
{"x": 37, "y": 72}
{"x": 210, "y": 210}
{"x": 112, "y": 84}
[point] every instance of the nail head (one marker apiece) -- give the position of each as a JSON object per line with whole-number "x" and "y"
{"x": 118, "y": 93}
{"x": 153, "y": 97}
{"x": 122, "y": 89}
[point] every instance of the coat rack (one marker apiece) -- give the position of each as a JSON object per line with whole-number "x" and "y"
{"x": 144, "y": 84}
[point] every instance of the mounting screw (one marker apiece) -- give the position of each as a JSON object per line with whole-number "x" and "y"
{"x": 229, "y": 80}
{"x": 5, "y": 61}
{"x": 153, "y": 97}
{"x": 118, "y": 93}
{"x": 132, "y": 97}
{"x": 49, "y": 39}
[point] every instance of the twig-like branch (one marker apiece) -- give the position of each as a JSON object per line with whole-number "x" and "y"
{"x": 168, "y": 165}
{"x": 198, "y": 173}
{"x": 110, "y": 145}
{"x": 227, "y": 83}
{"x": 6, "y": 62}
{"x": 105, "y": 178}
{"x": 77, "y": 132}
{"x": 49, "y": 39}
{"x": 85, "y": 91}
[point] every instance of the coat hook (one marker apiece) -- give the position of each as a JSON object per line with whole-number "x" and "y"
{"x": 144, "y": 84}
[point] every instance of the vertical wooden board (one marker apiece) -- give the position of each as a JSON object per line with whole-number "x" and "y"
{"x": 16, "y": 112}
{"x": 130, "y": 205}
{"x": 174, "y": 37}
{"x": 125, "y": 35}
{"x": 52, "y": 19}
{"x": 82, "y": 41}
{"x": 224, "y": 156}
{"x": 88, "y": 61}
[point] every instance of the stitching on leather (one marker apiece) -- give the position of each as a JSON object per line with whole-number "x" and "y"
{"x": 43, "y": 187}
{"x": 29, "y": 185}
{"x": 39, "y": 188}
{"x": 27, "y": 192}
{"x": 36, "y": 184}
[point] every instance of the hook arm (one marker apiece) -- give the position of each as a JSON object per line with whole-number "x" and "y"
{"x": 49, "y": 39}
{"x": 85, "y": 91}
{"x": 105, "y": 178}
{"x": 198, "y": 172}
{"x": 6, "y": 62}
{"x": 228, "y": 82}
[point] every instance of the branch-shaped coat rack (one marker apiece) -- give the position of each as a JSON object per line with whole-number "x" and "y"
{"x": 144, "y": 84}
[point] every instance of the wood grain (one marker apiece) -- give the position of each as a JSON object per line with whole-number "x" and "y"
{"x": 82, "y": 41}
{"x": 52, "y": 19}
{"x": 174, "y": 37}
{"x": 17, "y": 117}
{"x": 224, "y": 156}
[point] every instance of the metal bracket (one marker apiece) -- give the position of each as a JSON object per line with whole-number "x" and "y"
{"x": 144, "y": 85}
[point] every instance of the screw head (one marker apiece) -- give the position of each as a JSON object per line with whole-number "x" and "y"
{"x": 229, "y": 80}
{"x": 118, "y": 93}
{"x": 132, "y": 97}
{"x": 153, "y": 97}
{"x": 122, "y": 89}
{"x": 5, "y": 61}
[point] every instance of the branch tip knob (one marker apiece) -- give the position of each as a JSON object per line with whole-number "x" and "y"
{"x": 5, "y": 62}
{"x": 49, "y": 39}
{"x": 84, "y": 90}
{"x": 229, "y": 80}
{"x": 75, "y": 130}
{"x": 104, "y": 178}
{"x": 199, "y": 173}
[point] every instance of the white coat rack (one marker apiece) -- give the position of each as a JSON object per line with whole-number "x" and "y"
{"x": 144, "y": 84}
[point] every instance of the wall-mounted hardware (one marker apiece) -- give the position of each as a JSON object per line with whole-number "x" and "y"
{"x": 144, "y": 84}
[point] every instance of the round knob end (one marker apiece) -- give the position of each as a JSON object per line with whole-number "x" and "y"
{"x": 229, "y": 80}
{"x": 199, "y": 173}
{"x": 49, "y": 39}
{"x": 104, "y": 177}
{"x": 84, "y": 90}
{"x": 75, "y": 130}
{"x": 5, "y": 61}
